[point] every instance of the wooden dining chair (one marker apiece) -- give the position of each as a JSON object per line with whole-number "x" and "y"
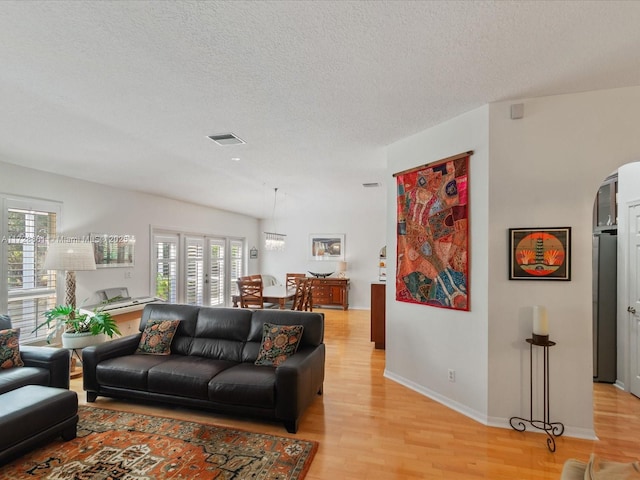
{"x": 291, "y": 279}
{"x": 251, "y": 277}
{"x": 308, "y": 295}
{"x": 251, "y": 294}
{"x": 299, "y": 297}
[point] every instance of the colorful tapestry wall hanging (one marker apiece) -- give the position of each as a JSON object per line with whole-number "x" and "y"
{"x": 433, "y": 234}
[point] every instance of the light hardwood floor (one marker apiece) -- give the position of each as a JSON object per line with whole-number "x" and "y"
{"x": 370, "y": 427}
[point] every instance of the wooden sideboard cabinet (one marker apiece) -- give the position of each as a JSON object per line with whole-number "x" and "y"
{"x": 378, "y": 305}
{"x": 330, "y": 292}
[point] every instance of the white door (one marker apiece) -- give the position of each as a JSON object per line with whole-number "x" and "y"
{"x": 211, "y": 268}
{"x": 634, "y": 298}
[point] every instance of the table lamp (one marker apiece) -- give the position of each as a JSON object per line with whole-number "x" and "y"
{"x": 342, "y": 269}
{"x": 70, "y": 257}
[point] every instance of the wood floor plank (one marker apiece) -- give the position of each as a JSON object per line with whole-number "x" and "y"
{"x": 371, "y": 427}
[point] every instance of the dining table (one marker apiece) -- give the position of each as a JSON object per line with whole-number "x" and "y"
{"x": 277, "y": 294}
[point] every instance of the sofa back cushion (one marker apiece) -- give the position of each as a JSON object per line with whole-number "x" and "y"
{"x": 221, "y": 333}
{"x": 188, "y": 316}
{"x": 232, "y": 334}
{"x": 312, "y": 334}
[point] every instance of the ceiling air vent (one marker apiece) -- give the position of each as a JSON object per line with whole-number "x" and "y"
{"x": 371, "y": 185}
{"x": 226, "y": 139}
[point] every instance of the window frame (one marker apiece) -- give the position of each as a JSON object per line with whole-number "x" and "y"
{"x": 52, "y": 292}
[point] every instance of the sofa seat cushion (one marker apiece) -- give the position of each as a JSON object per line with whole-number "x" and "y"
{"x": 186, "y": 376}
{"x": 245, "y": 384}
{"x": 129, "y": 371}
{"x": 13, "y": 378}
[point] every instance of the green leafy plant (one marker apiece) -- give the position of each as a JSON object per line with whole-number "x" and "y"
{"x": 67, "y": 319}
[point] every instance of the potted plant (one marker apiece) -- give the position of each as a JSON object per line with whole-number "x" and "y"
{"x": 79, "y": 330}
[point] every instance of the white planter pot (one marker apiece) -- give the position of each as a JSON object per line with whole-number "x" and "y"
{"x": 81, "y": 340}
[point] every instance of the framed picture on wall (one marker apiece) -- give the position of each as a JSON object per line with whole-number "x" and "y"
{"x": 326, "y": 246}
{"x": 113, "y": 250}
{"x": 540, "y": 253}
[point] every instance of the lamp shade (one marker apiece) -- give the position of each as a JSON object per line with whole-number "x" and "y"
{"x": 70, "y": 256}
{"x": 342, "y": 269}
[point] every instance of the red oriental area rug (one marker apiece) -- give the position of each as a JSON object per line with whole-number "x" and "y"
{"x": 130, "y": 446}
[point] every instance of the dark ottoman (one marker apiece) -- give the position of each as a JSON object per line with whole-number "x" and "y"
{"x": 32, "y": 414}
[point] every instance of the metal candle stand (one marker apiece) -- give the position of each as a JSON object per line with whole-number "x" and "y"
{"x": 552, "y": 429}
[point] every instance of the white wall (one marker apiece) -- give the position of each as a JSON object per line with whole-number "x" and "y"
{"x": 545, "y": 171}
{"x": 424, "y": 342}
{"x": 361, "y": 218}
{"x": 542, "y": 170}
{"x": 90, "y": 207}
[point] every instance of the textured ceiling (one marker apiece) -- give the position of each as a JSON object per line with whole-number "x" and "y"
{"x": 125, "y": 93}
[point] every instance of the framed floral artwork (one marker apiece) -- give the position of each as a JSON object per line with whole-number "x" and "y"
{"x": 540, "y": 253}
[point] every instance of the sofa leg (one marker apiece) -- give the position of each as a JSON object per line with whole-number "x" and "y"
{"x": 320, "y": 390}
{"x": 291, "y": 426}
{"x": 91, "y": 397}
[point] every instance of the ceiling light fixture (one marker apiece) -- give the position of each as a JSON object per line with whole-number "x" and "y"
{"x": 274, "y": 241}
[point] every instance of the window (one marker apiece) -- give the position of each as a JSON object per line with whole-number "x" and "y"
{"x": 237, "y": 264}
{"x": 216, "y": 274}
{"x": 203, "y": 273}
{"x": 166, "y": 267}
{"x": 27, "y": 290}
{"x": 194, "y": 255}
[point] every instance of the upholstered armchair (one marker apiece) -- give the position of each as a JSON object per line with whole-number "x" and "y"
{"x": 46, "y": 366}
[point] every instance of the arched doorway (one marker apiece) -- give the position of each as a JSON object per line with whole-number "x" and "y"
{"x": 619, "y": 197}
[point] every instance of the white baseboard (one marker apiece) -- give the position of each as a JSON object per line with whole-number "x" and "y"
{"x": 583, "y": 433}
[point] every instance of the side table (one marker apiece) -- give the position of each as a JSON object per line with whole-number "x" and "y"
{"x": 552, "y": 429}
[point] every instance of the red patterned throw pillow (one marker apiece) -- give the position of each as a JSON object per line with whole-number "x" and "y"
{"x": 10, "y": 348}
{"x": 279, "y": 342}
{"x": 157, "y": 337}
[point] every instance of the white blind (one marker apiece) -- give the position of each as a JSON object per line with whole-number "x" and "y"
{"x": 194, "y": 278}
{"x": 196, "y": 269}
{"x": 216, "y": 273}
{"x": 237, "y": 264}
{"x": 166, "y": 267}
{"x": 28, "y": 290}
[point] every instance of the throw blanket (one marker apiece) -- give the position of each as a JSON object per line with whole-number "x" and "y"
{"x": 600, "y": 469}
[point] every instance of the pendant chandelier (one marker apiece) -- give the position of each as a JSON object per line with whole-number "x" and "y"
{"x": 272, "y": 240}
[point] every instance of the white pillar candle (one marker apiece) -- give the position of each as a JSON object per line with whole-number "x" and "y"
{"x": 540, "y": 320}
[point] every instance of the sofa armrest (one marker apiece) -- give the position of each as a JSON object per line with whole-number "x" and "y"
{"x": 56, "y": 360}
{"x": 93, "y": 355}
{"x": 298, "y": 380}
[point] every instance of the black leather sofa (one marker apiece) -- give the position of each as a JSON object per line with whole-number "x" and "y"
{"x": 45, "y": 366}
{"x": 211, "y": 364}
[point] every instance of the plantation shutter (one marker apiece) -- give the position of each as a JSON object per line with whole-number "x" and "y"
{"x": 216, "y": 273}
{"x": 194, "y": 278}
{"x": 166, "y": 267}
{"x": 236, "y": 264}
{"x": 196, "y": 269}
{"x": 27, "y": 289}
